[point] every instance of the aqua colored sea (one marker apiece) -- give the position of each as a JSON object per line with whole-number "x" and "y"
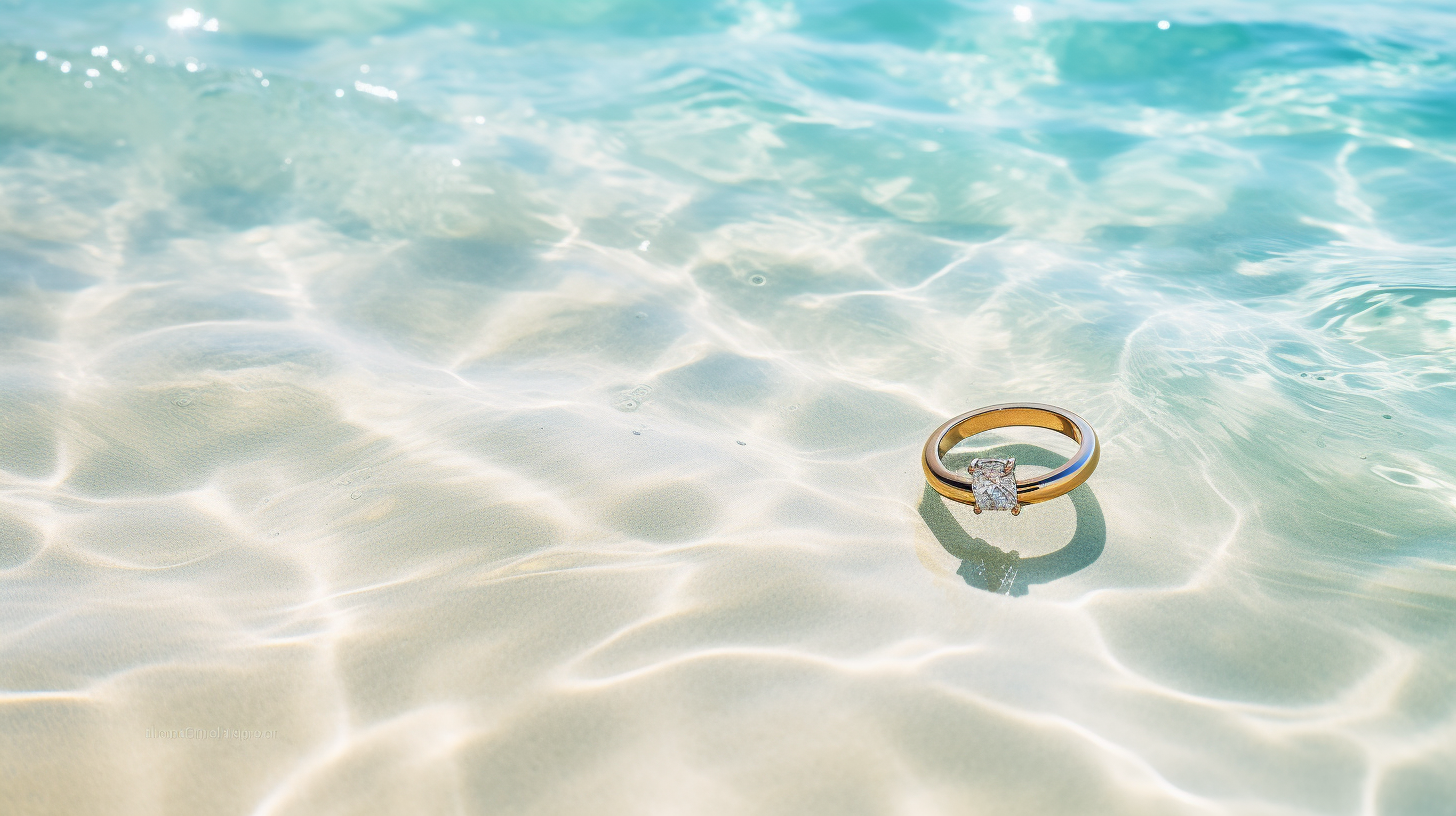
{"x": 516, "y": 408}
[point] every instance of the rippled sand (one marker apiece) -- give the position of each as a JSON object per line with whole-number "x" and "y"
{"x": 529, "y": 424}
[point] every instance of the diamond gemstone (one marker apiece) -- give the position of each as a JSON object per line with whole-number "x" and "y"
{"x": 993, "y": 482}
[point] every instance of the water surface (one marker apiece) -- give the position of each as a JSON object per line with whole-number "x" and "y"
{"x": 493, "y": 407}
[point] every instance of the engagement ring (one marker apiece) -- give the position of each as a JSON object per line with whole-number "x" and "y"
{"x": 991, "y": 484}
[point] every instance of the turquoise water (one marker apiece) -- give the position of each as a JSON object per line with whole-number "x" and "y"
{"x": 515, "y": 407}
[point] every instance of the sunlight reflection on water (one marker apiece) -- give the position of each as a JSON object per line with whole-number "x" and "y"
{"x": 516, "y": 408}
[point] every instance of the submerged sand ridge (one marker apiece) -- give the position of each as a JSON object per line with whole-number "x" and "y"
{"x": 544, "y": 439}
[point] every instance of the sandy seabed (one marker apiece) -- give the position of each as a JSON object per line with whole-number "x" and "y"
{"x": 542, "y": 439}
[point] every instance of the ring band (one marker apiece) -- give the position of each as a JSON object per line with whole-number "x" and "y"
{"x": 990, "y": 483}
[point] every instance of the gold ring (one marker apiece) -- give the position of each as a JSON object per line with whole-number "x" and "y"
{"x": 992, "y": 483}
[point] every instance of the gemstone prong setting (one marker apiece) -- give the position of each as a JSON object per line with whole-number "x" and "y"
{"x": 993, "y": 482}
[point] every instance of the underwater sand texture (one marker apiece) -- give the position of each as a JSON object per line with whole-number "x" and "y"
{"x": 443, "y": 407}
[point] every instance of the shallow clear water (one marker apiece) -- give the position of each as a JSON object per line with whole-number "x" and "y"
{"x": 529, "y": 423}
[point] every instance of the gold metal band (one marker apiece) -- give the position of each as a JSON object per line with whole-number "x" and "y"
{"x": 1028, "y": 414}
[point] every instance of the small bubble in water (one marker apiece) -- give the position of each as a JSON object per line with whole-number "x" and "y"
{"x": 356, "y": 494}
{"x": 1319, "y": 378}
{"x": 628, "y": 405}
{"x": 758, "y": 280}
{"x": 1387, "y": 416}
{"x": 1362, "y": 456}
{"x": 636, "y": 433}
{"x": 742, "y": 443}
{"x": 793, "y": 407}
{"x": 182, "y": 402}
{"x": 1303, "y": 375}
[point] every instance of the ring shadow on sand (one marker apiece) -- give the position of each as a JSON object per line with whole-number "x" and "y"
{"x": 986, "y": 567}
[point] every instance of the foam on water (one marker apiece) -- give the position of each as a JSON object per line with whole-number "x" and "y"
{"x": 514, "y": 408}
